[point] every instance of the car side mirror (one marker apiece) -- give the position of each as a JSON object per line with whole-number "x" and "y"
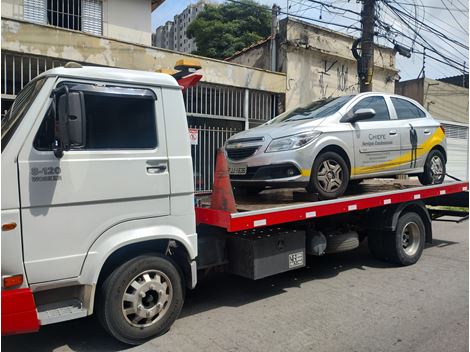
{"x": 362, "y": 114}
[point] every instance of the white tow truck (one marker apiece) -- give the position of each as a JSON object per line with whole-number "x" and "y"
{"x": 99, "y": 213}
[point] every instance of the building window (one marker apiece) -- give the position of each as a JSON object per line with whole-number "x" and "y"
{"x": 80, "y": 15}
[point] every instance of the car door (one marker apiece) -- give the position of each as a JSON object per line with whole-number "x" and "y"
{"x": 376, "y": 140}
{"x": 416, "y": 128}
{"x": 120, "y": 174}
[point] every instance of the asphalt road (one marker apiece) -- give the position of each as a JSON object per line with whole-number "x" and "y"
{"x": 346, "y": 302}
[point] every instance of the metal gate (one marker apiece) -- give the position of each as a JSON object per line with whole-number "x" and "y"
{"x": 209, "y": 140}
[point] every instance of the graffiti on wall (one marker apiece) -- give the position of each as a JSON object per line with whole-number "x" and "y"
{"x": 342, "y": 74}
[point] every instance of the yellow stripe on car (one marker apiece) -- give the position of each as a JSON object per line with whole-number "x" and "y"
{"x": 435, "y": 139}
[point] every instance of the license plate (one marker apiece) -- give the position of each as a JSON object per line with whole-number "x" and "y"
{"x": 237, "y": 169}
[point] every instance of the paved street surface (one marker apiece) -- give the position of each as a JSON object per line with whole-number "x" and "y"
{"x": 346, "y": 302}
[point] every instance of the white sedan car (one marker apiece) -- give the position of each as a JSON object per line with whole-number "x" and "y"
{"x": 325, "y": 145}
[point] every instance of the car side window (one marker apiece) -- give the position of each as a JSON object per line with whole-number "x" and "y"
{"x": 378, "y": 104}
{"x": 116, "y": 118}
{"x": 406, "y": 109}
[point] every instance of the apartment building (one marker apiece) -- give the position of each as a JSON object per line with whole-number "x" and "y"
{"x": 172, "y": 35}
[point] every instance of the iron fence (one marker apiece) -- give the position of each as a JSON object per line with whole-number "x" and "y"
{"x": 204, "y": 153}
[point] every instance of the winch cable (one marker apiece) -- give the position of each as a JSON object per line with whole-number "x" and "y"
{"x": 453, "y": 177}
{"x": 414, "y": 146}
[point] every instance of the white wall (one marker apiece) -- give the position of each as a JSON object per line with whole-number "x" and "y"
{"x": 129, "y": 21}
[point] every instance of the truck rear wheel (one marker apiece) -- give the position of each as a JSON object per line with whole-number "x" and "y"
{"x": 405, "y": 245}
{"x": 141, "y": 299}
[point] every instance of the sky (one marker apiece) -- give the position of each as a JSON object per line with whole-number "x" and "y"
{"x": 453, "y": 24}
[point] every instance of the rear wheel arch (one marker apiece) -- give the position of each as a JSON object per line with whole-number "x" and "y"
{"x": 441, "y": 149}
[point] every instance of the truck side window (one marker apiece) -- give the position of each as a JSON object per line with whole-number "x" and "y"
{"x": 116, "y": 118}
{"x": 406, "y": 109}
{"x": 378, "y": 104}
{"x": 119, "y": 122}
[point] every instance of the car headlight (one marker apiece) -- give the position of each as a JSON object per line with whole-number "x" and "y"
{"x": 295, "y": 141}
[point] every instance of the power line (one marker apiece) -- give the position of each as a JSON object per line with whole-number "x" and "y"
{"x": 464, "y": 30}
{"x": 431, "y": 7}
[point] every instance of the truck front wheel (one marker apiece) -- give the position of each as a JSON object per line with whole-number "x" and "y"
{"x": 141, "y": 299}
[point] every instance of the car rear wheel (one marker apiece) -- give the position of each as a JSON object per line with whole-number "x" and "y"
{"x": 434, "y": 169}
{"x": 329, "y": 177}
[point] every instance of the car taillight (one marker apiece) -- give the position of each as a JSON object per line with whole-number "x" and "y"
{"x": 443, "y": 129}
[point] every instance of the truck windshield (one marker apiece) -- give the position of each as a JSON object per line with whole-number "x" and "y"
{"x": 18, "y": 110}
{"x": 316, "y": 110}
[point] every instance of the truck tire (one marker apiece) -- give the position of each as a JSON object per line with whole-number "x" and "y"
{"x": 434, "y": 169}
{"x": 405, "y": 245}
{"x": 341, "y": 242}
{"x": 141, "y": 299}
{"x": 329, "y": 177}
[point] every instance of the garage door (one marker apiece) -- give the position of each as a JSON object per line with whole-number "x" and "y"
{"x": 457, "y": 150}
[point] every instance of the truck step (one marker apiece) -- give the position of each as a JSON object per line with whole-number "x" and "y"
{"x": 61, "y": 311}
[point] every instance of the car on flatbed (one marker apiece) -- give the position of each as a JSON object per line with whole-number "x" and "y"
{"x": 329, "y": 143}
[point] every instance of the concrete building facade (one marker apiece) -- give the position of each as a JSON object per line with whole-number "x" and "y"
{"x": 173, "y": 36}
{"x": 108, "y": 18}
{"x": 317, "y": 61}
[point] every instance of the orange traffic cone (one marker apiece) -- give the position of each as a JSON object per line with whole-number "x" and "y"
{"x": 222, "y": 193}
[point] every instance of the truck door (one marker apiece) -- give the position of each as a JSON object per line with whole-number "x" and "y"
{"x": 118, "y": 175}
{"x": 416, "y": 130}
{"x": 376, "y": 140}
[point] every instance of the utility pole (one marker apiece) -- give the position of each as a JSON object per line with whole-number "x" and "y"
{"x": 275, "y": 12}
{"x": 367, "y": 45}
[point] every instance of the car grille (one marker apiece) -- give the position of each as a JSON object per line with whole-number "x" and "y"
{"x": 241, "y": 153}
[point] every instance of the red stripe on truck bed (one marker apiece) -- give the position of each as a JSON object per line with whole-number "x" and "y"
{"x": 233, "y": 222}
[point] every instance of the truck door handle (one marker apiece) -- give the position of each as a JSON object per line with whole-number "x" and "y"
{"x": 393, "y": 132}
{"x": 158, "y": 169}
{"x": 427, "y": 131}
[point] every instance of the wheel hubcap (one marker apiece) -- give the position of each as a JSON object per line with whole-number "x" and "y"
{"x": 147, "y": 298}
{"x": 330, "y": 176}
{"x": 410, "y": 238}
{"x": 437, "y": 169}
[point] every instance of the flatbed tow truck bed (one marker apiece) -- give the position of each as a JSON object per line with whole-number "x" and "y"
{"x": 275, "y": 207}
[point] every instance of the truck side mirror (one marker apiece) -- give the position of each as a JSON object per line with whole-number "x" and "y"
{"x": 76, "y": 119}
{"x": 70, "y": 121}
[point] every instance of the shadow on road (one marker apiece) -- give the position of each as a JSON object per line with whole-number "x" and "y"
{"x": 216, "y": 290}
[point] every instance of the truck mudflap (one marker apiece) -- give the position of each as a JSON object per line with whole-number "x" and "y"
{"x": 19, "y": 313}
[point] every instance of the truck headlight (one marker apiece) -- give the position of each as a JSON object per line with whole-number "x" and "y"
{"x": 295, "y": 141}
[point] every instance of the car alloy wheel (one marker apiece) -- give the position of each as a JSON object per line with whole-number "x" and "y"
{"x": 436, "y": 168}
{"x": 330, "y": 175}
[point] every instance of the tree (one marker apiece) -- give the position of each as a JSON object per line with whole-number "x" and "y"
{"x": 222, "y": 30}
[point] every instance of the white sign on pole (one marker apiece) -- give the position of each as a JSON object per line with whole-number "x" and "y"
{"x": 193, "y": 136}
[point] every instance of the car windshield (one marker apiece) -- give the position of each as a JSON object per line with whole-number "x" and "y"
{"x": 18, "y": 110}
{"x": 316, "y": 110}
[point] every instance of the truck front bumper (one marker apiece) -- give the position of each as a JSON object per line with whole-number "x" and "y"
{"x": 19, "y": 314}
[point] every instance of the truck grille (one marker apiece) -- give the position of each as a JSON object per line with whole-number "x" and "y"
{"x": 241, "y": 153}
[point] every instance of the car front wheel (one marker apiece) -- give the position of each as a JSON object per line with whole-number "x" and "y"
{"x": 329, "y": 177}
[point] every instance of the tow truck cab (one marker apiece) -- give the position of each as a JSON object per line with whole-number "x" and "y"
{"x": 86, "y": 184}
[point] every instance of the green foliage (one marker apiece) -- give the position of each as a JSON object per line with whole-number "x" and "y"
{"x": 222, "y": 30}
